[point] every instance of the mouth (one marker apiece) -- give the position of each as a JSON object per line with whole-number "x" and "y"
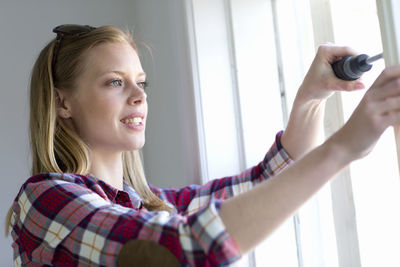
{"x": 133, "y": 121}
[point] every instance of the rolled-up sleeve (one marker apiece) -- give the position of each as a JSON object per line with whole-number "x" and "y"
{"x": 210, "y": 236}
{"x": 191, "y": 198}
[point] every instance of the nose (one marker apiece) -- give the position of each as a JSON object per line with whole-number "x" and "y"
{"x": 137, "y": 97}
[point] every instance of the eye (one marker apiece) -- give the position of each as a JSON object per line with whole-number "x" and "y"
{"x": 142, "y": 85}
{"x": 116, "y": 83}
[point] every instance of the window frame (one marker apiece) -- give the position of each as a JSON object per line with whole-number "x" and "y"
{"x": 389, "y": 21}
{"x": 343, "y": 206}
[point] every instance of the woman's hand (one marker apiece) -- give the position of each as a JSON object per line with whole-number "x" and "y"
{"x": 320, "y": 81}
{"x": 305, "y": 126}
{"x": 269, "y": 204}
{"x": 379, "y": 109}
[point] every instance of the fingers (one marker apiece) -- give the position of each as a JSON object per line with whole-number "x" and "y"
{"x": 392, "y": 118}
{"x": 387, "y": 105}
{"x": 390, "y": 89}
{"x": 384, "y": 101}
{"x": 387, "y": 74}
{"x": 350, "y": 85}
{"x": 334, "y": 53}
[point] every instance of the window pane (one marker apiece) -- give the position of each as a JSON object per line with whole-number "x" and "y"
{"x": 315, "y": 229}
{"x": 375, "y": 178}
{"x": 257, "y": 73}
{"x": 215, "y": 77}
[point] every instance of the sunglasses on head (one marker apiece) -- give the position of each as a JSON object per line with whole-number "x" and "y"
{"x": 73, "y": 30}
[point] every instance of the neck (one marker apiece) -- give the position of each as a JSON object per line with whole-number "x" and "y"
{"x": 107, "y": 167}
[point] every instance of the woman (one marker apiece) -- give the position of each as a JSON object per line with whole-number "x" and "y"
{"x": 88, "y": 200}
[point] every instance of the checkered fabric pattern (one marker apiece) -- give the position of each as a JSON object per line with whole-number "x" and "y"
{"x": 77, "y": 220}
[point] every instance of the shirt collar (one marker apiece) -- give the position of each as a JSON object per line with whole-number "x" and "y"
{"x": 112, "y": 192}
{"x": 135, "y": 198}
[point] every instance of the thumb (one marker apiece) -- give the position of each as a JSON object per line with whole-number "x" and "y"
{"x": 349, "y": 85}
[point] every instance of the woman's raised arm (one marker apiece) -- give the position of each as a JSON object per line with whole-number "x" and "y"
{"x": 251, "y": 217}
{"x": 305, "y": 125}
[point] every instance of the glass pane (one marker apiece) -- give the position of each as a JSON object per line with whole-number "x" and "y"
{"x": 217, "y": 99}
{"x": 258, "y": 81}
{"x": 375, "y": 178}
{"x": 257, "y": 73}
{"x": 316, "y": 232}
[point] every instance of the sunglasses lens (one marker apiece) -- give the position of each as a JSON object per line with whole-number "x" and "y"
{"x": 72, "y": 29}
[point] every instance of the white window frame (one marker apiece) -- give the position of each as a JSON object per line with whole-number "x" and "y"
{"x": 341, "y": 188}
{"x": 389, "y": 20}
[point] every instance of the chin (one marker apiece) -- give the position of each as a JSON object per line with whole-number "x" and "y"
{"x": 135, "y": 146}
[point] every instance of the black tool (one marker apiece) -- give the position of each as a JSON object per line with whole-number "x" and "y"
{"x": 352, "y": 67}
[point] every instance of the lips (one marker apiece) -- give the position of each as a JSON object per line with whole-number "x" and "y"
{"x": 133, "y": 119}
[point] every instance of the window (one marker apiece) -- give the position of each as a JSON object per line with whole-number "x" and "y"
{"x": 251, "y": 56}
{"x": 375, "y": 179}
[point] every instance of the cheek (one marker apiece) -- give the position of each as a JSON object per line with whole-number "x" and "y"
{"x": 96, "y": 114}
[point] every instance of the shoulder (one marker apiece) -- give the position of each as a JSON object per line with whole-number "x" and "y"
{"x": 56, "y": 183}
{"x": 58, "y": 177}
{"x": 51, "y": 194}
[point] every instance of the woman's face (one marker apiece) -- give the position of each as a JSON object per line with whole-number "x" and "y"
{"x": 108, "y": 108}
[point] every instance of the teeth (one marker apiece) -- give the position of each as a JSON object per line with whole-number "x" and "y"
{"x": 135, "y": 121}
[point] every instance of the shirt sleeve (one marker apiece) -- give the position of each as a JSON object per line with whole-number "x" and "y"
{"x": 58, "y": 222}
{"x": 190, "y": 199}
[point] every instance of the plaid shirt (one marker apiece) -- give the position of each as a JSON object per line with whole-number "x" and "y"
{"x": 77, "y": 220}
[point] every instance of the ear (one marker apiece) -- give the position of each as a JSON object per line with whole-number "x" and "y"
{"x": 63, "y": 107}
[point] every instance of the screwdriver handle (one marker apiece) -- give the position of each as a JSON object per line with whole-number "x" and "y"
{"x": 351, "y": 68}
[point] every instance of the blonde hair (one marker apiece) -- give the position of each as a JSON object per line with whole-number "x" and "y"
{"x": 55, "y": 147}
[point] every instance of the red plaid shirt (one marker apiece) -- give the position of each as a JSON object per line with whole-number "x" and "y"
{"x": 76, "y": 220}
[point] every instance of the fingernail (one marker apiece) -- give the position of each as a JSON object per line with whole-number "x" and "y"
{"x": 359, "y": 86}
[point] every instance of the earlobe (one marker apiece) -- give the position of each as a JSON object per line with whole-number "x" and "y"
{"x": 62, "y": 106}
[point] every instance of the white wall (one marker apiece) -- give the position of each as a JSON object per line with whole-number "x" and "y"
{"x": 170, "y": 154}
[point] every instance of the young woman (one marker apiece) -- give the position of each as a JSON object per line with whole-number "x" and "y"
{"x": 88, "y": 201}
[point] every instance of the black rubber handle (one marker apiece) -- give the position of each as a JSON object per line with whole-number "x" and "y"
{"x": 351, "y": 68}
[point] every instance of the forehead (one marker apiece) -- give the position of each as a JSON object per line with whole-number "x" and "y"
{"x": 108, "y": 57}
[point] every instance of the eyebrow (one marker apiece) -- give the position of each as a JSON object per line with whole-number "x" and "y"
{"x": 140, "y": 74}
